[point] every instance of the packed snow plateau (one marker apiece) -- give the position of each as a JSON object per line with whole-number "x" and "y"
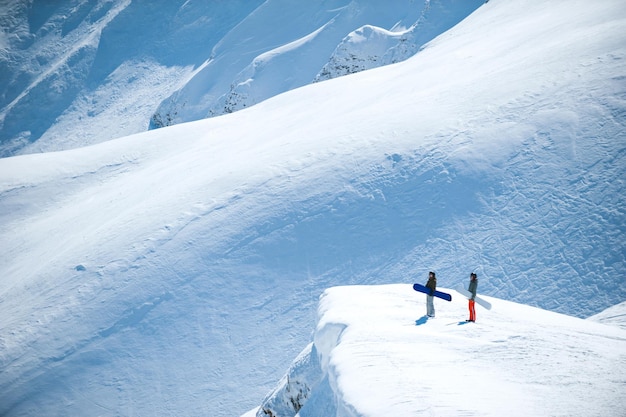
{"x": 376, "y": 353}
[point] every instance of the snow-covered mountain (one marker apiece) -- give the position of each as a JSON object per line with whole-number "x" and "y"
{"x": 74, "y": 73}
{"x": 376, "y": 353}
{"x": 178, "y": 271}
{"x": 307, "y": 42}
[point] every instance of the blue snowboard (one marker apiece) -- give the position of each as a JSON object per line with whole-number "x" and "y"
{"x": 442, "y": 295}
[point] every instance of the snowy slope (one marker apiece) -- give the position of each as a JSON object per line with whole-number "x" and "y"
{"x": 79, "y": 72}
{"x": 371, "y": 46}
{"x": 177, "y": 271}
{"x": 615, "y": 315}
{"x": 296, "y": 43}
{"x": 376, "y": 353}
{"x": 75, "y": 72}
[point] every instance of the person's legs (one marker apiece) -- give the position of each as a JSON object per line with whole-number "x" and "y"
{"x": 430, "y": 306}
{"x": 472, "y": 310}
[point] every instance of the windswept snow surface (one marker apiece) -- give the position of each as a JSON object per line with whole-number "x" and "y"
{"x": 376, "y": 353}
{"x": 177, "y": 271}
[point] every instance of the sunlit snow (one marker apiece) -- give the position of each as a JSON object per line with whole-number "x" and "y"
{"x": 379, "y": 355}
{"x": 179, "y": 271}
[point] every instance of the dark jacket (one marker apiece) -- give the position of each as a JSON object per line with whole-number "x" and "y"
{"x": 473, "y": 286}
{"x": 432, "y": 284}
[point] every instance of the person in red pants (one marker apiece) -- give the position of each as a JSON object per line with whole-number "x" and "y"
{"x": 473, "y": 286}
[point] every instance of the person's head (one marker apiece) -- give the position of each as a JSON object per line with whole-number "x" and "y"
{"x": 431, "y": 274}
{"x": 473, "y": 275}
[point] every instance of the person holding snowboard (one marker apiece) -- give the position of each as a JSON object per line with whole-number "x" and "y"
{"x": 432, "y": 286}
{"x": 473, "y": 286}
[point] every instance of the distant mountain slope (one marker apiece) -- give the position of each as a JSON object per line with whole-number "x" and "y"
{"x": 74, "y": 73}
{"x": 293, "y": 46}
{"x": 370, "y": 46}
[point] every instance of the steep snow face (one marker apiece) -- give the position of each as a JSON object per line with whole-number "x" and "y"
{"x": 377, "y": 354}
{"x": 48, "y": 51}
{"x": 74, "y": 73}
{"x": 370, "y": 46}
{"x": 293, "y": 44}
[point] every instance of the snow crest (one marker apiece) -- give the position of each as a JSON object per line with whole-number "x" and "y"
{"x": 370, "y": 46}
{"x": 373, "y": 355}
